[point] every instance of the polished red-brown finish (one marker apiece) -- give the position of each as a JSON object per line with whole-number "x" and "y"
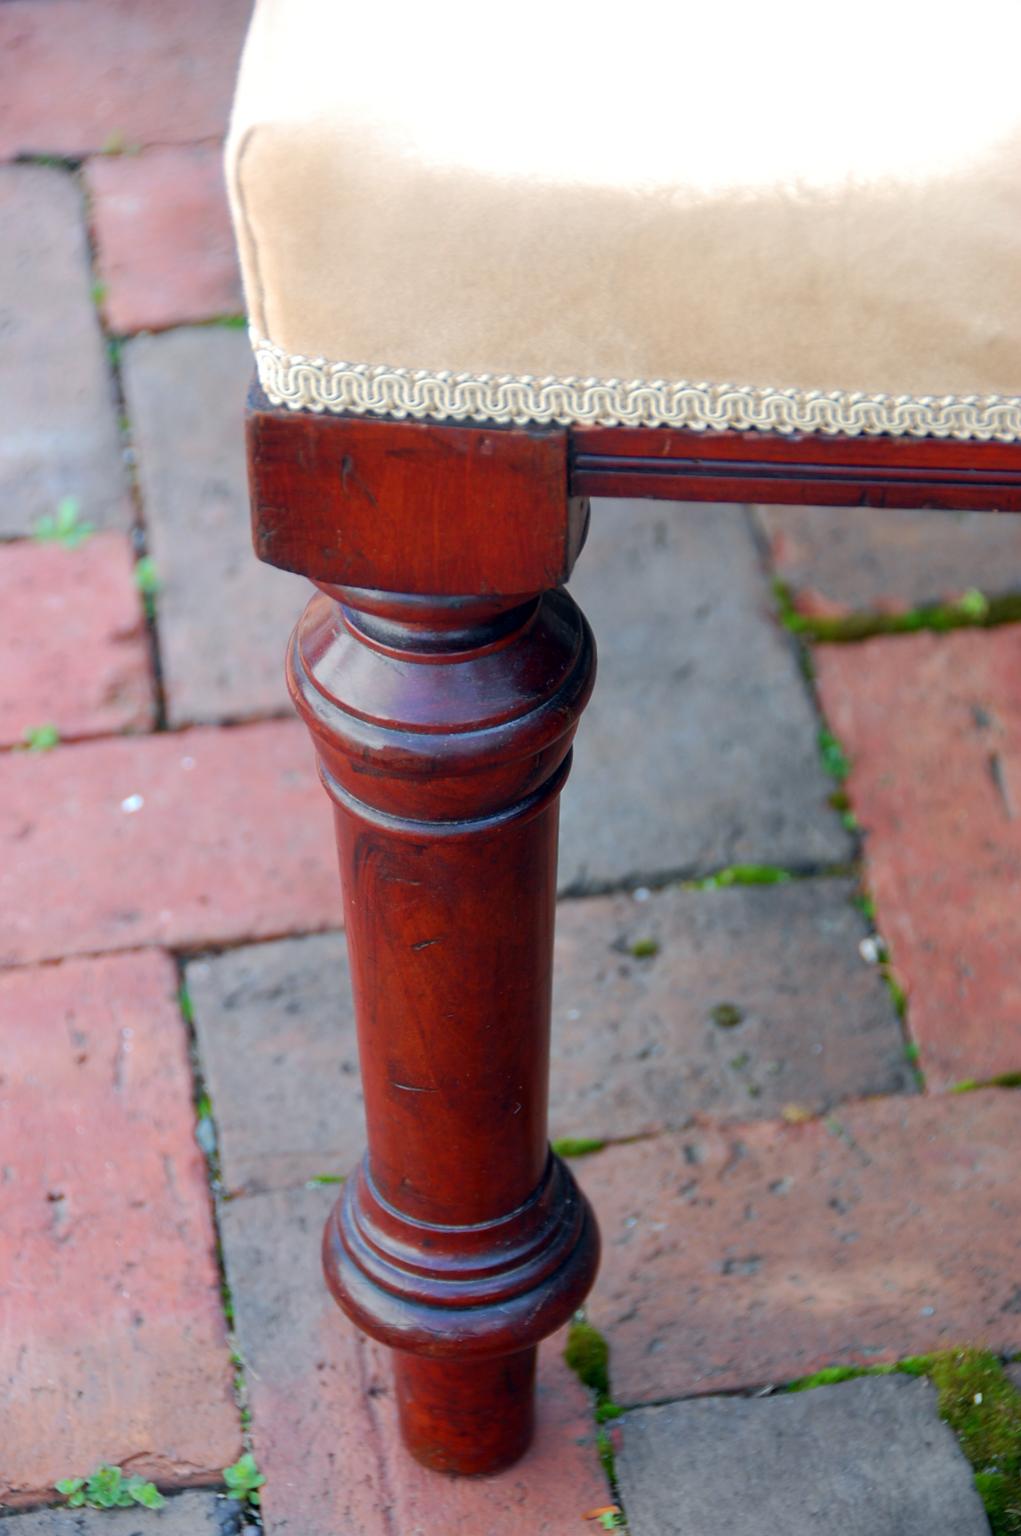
{"x": 778, "y": 468}
{"x": 443, "y": 730}
{"x": 424, "y": 508}
{"x": 442, "y": 673}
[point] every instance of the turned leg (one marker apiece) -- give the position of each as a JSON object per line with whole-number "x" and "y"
{"x": 443, "y": 729}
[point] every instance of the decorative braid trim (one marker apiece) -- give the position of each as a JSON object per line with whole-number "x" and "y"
{"x": 312, "y": 383}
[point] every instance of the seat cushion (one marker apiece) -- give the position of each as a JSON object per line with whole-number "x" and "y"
{"x": 779, "y": 216}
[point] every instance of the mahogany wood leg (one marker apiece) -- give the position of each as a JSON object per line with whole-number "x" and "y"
{"x": 443, "y": 728}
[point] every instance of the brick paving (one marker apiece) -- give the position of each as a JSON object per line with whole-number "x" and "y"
{"x": 939, "y": 797}
{"x": 72, "y": 632}
{"x": 779, "y": 1191}
{"x": 164, "y": 246}
{"x": 60, "y": 439}
{"x": 114, "y": 1344}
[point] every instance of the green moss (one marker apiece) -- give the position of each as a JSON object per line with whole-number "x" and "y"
{"x": 1002, "y": 1080}
{"x": 644, "y": 949}
{"x": 833, "y": 1374}
{"x": 577, "y": 1146}
{"x": 972, "y": 608}
{"x": 834, "y": 759}
{"x": 587, "y": 1354}
{"x": 607, "y": 1460}
{"x": 743, "y": 874}
{"x": 726, "y": 1015}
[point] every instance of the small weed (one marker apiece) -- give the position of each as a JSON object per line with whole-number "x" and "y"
{"x": 228, "y": 1303}
{"x": 232, "y": 322}
{"x": 185, "y": 1004}
{"x": 319, "y": 1179}
{"x": 244, "y": 1480}
{"x": 65, "y": 527}
{"x": 834, "y": 759}
{"x": 912, "y": 1052}
{"x": 726, "y": 1015}
{"x": 644, "y": 949}
{"x": 866, "y": 906}
{"x": 148, "y": 583}
{"x": 114, "y": 348}
{"x": 41, "y": 738}
{"x": 577, "y": 1146}
{"x": 972, "y": 1084}
{"x": 98, "y": 292}
{"x": 612, "y": 1520}
{"x": 742, "y": 874}
{"x": 108, "y": 1488}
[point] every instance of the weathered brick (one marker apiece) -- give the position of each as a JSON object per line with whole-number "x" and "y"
{"x": 86, "y": 75}
{"x": 698, "y": 748}
{"x": 113, "y": 1347}
{"x": 285, "y": 1010}
{"x": 191, "y": 839}
{"x": 757, "y": 1254}
{"x": 223, "y": 618}
{"x": 73, "y": 637}
{"x": 933, "y": 728}
{"x": 635, "y": 1042}
{"x": 842, "y": 559}
{"x": 185, "y": 1514}
{"x": 59, "y": 436}
{"x": 867, "y": 1458}
{"x": 756, "y": 1001}
{"x": 324, "y": 1418}
{"x": 165, "y": 250}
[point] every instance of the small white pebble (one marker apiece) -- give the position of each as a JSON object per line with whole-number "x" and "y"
{"x": 872, "y": 949}
{"x": 131, "y": 804}
{"x": 978, "y": 1397}
{"x": 574, "y": 1013}
{"x": 187, "y": 762}
{"x": 928, "y": 1312}
{"x": 642, "y": 893}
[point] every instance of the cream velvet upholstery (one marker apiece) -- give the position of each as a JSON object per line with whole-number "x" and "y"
{"x": 773, "y": 214}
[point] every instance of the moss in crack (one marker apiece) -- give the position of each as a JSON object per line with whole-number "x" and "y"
{"x": 972, "y": 609}
{"x": 1002, "y": 1080}
{"x": 741, "y": 874}
{"x": 577, "y": 1146}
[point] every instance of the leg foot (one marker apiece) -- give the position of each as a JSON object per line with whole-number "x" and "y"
{"x": 466, "y": 1416}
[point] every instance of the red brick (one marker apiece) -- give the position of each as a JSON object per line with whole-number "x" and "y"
{"x": 73, "y": 636}
{"x": 838, "y": 560}
{"x": 112, "y": 1344}
{"x": 933, "y": 728}
{"x": 84, "y": 74}
{"x": 751, "y": 1255}
{"x": 165, "y": 249}
{"x": 187, "y": 839}
{"x": 323, "y": 1413}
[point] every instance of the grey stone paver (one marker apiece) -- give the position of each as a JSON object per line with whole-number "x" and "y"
{"x": 223, "y": 618}
{"x": 58, "y": 416}
{"x": 636, "y": 1042}
{"x": 880, "y": 557}
{"x": 184, "y": 1514}
{"x": 284, "y": 1011}
{"x": 757, "y": 1000}
{"x": 866, "y": 1458}
{"x": 698, "y": 748}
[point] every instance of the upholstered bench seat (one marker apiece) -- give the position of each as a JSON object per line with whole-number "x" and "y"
{"x": 568, "y": 211}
